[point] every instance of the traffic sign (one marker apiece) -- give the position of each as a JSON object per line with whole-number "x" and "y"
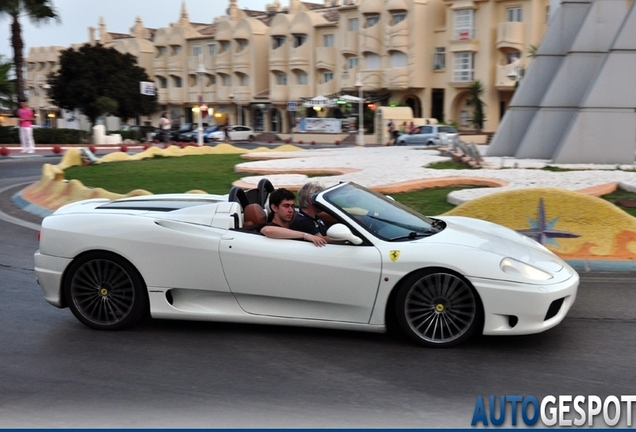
{"x": 291, "y": 106}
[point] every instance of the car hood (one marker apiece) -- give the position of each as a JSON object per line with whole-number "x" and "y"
{"x": 487, "y": 236}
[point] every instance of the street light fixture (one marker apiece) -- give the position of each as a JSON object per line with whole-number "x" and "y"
{"x": 231, "y": 96}
{"x": 200, "y": 73}
{"x": 358, "y": 84}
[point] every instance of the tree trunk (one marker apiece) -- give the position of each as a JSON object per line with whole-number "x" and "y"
{"x": 18, "y": 58}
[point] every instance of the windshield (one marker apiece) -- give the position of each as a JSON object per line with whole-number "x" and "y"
{"x": 380, "y": 215}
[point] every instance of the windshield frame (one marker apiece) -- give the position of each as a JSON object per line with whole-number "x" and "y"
{"x": 379, "y": 215}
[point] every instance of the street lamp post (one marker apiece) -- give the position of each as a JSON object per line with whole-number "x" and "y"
{"x": 200, "y": 73}
{"x": 358, "y": 84}
{"x": 231, "y": 96}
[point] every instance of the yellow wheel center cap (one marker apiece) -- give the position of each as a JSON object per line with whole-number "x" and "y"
{"x": 103, "y": 291}
{"x": 439, "y": 307}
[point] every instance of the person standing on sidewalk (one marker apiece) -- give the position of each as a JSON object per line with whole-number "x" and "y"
{"x": 25, "y": 120}
{"x": 165, "y": 123}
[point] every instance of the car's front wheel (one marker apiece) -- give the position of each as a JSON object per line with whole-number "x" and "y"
{"x": 438, "y": 309}
{"x": 105, "y": 292}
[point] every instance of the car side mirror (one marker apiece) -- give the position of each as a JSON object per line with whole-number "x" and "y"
{"x": 341, "y": 232}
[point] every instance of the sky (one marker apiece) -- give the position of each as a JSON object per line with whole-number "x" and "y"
{"x": 119, "y": 15}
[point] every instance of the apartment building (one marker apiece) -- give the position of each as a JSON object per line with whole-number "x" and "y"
{"x": 248, "y": 65}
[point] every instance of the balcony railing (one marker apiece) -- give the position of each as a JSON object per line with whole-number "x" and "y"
{"x": 502, "y": 78}
{"x": 510, "y": 35}
{"x": 300, "y": 56}
{"x": 396, "y": 78}
{"x": 298, "y": 91}
{"x": 327, "y": 88}
{"x": 176, "y": 95}
{"x": 397, "y": 37}
{"x": 371, "y": 39}
{"x": 326, "y": 58}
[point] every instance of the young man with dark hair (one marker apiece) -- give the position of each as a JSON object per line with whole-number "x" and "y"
{"x": 281, "y": 203}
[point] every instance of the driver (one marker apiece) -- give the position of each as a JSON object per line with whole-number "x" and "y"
{"x": 307, "y": 219}
{"x": 281, "y": 203}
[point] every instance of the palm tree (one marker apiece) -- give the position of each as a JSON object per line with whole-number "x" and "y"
{"x": 7, "y": 86}
{"x": 478, "y": 118}
{"x": 38, "y": 11}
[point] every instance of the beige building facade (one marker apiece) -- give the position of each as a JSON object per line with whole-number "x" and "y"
{"x": 247, "y": 66}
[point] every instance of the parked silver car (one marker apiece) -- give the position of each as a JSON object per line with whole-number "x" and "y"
{"x": 429, "y": 135}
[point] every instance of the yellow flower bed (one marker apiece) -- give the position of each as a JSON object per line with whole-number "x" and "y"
{"x": 606, "y": 232}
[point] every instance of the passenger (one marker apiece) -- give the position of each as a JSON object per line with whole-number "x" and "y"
{"x": 307, "y": 218}
{"x": 281, "y": 203}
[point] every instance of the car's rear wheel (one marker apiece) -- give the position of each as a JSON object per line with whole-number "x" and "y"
{"x": 438, "y": 309}
{"x": 105, "y": 292}
{"x": 251, "y": 138}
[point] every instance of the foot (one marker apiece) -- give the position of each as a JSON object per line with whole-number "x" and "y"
{"x": 31, "y": 151}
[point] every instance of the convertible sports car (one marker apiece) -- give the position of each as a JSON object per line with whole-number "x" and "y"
{"x": 197, "y": 257}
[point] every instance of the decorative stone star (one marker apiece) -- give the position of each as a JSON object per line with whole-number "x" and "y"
{"x": 543, "y": 231}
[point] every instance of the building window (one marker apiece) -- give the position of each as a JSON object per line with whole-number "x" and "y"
{"x": 326, "y": 77}
{"x": 178, "y": 82}
{"x": 328, "y": 40}
{"x": 299, "y": 40}
{"x": 371, "y": 61}
{"x": 176, "y": 50}
{"x": 196, "y": 50}
{"x": 242, "y": 44}
{"x": 398, "y": 17}
{"x": 212, "y": 49}
{"x": 372, "y": 19}
{"x": 302, "y": 78}
{"x": 278, "y": 41}
{"x": 439, "y": 58}
{"x": 353, "y": 24}
{"x": 163, "y": 83}
{"x": 226, "y": 80}
{"x": 463, "y": 67}
{"x": 224, "y": 46}
{"x": 513, "y": 14}
{"x": 464, "y": 24}
{"x": 398, "y": 59}
{"x": 352, "y": 62}
{"x": 281, "y": 79}
{"x": 161, "y": 51}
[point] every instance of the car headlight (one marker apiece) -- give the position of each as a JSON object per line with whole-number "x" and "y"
{"x": 514, "y": 267}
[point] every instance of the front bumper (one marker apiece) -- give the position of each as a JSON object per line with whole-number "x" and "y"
{"x": 518, "y": 309}
{"x": 48, "y": 272}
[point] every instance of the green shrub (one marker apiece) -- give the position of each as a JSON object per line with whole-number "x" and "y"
{"x": 9, "y": 135}
{"x": 59, "y": 136}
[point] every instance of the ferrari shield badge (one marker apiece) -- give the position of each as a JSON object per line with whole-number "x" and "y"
{"x": 394, "y": 255}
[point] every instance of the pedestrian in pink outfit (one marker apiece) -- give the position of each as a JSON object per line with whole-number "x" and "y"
{"x": 25, "y": 119}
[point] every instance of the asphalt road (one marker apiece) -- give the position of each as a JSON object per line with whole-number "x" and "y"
{"x": 57, "y": 373}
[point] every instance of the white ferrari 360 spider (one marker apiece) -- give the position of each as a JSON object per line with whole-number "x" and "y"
{"x": 195, "y": 257}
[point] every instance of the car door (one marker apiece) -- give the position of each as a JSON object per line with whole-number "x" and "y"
{"x": 418, "y": 138}
{"x": 295, "y": 279}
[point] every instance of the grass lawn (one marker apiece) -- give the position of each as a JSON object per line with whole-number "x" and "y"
{"x": 215, "y": 174}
